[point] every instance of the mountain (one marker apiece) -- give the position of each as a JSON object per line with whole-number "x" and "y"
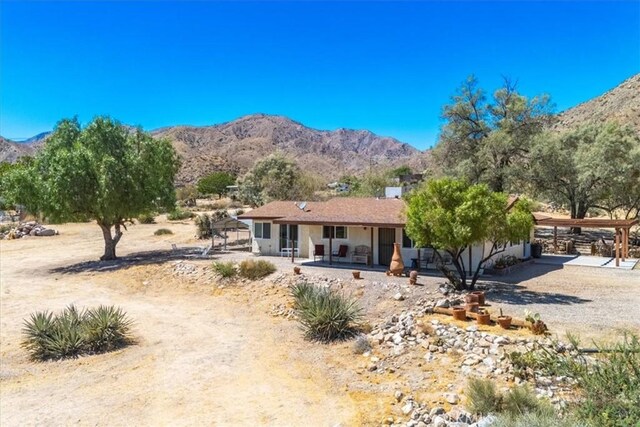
{"x": 621, "y": 104}
{"x": 236, "y": 145}
{"x": 11, "y": 151}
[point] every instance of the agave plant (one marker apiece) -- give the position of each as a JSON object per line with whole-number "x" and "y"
{"x": 106, "y": 328}
{"x": 324, "y": 314}
{"x": 37, "y": 330}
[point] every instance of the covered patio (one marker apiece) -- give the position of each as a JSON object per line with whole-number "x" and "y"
{"x": 622, "y": 229}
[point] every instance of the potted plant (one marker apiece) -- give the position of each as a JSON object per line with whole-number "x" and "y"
{"x": 504, "y": 321}
{"x": 459, "y": 313}
{"x": 472, "y": 307}
{"x": 536, "y": 325}
{"x": 469, "y": 298}
{"x": 296, "y": 270}
{"x": 356, "y": 274}
{"x": 483, "y": 317}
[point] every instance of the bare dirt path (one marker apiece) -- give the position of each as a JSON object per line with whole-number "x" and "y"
{"x": 200, "y": 359}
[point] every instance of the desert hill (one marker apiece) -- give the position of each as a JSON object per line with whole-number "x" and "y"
{"x": 621, "y": 104}
{"x": 236, "y": 145}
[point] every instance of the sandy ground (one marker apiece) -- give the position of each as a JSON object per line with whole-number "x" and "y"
{"x": 214, "y": 356}
{"x": 200, "y": 359}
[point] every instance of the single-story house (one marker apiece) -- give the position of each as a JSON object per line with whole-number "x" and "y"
{"x": 369, "y": 227}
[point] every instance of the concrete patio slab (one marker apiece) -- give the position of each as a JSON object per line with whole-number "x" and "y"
{"x": 585, "y": 261}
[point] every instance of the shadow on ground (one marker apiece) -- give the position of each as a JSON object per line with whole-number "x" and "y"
{"x": 137, "y": 258}
{"x": 513, "y": 294}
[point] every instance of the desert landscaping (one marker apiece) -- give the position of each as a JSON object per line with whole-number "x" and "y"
{"x": 210, "y": 350}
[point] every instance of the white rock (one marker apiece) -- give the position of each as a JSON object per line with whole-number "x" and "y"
{"x": 398, "y": 297}
{"x": 452, "y": 398}
{"x": 439, "y": 422}
{"x": 407, "y": 408}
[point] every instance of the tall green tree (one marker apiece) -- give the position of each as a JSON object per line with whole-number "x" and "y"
{"x": 274, "y": 178}
{"x": 451, "y": 216}
{"x": 215, "y": 183}
{"x": 104, "y": 172}
{"x": 485, "y": 141}
{"x": 593, "y": 166}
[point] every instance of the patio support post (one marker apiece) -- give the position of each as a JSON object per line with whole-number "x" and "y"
{"x": 617, "y": 247}
{"x": 331, "y": 246}
{"x": 555, "y": 239}
{"x": 371, "y": 256}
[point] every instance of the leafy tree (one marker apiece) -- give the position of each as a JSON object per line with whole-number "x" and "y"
{"x": 483, "y": 141}
{"x": 451, "y": 216}
{"x": 105, "y": 172}
{"x": 187, "y": 195}
{"x": 273, "y": 178}
{"x": 372, "y": 184}
{"x": 592, "y": 166}
{"x": 215, "y": 183}
{"x": 400, "y": 171}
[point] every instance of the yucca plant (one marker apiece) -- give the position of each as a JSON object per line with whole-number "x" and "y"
{"x": 75, "y": 332}
{"x": 324, "y": 314}
{"x": 106, "y": 328}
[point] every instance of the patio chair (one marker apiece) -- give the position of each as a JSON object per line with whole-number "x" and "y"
{"x": 341, "y": 253}
{"x": 426, "y": 258}
{"x": 318, "y": 252}
{"x": 360, "y": 255}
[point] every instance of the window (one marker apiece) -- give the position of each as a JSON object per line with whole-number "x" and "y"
{"x": 262, "y": 230}
{"x": 335, "y": 232}
{"x": 406, "y": 241}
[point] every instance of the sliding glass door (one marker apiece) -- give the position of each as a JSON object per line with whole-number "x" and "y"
{"x": 288, "y": 232}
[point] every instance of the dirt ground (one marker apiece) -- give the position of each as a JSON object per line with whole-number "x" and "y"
{"x": 217, "y": 356}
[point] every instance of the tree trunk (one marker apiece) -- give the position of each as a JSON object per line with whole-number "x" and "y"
{"x": 110, "y": 241}
{"x": 578, "y": 211}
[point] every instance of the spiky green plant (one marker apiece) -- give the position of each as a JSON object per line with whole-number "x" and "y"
{"x": 522, "y": 400}
{"x": 106, "y": 328}
{"x": 482, "y": 396}
{"x": 326, "y": 315}
{"x": 74, "y": 332}
{"x": 225, "y": 269}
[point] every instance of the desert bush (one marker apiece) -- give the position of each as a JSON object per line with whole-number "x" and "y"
{"x": 534, "y": 419}
{"x": 147, "y": 218}
{"x": 609, "y": 383}
{"x": 254, "y": 270}
{"x": 106, "y": 328}
{"x": 73, "y": 333}
{"x": 203, "y": 226}
{"x": 482, "y": 396}
{"x": 162, "y": 232}
{"x": 179, "y": 214}
{"x": 324, "y": 314}
{"x": 225, "y": 269}
{"x": 239, "y": 212}
{"x": 522, "y": 400}
{"x": 361, "y": 344}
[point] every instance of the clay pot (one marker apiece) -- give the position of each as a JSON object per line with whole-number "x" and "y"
{"x": 472, "y": 307}
{"x": 296, "y": 270}
{"x": 480, "y": 295}
{"x": 469, "y": 298}
{"x": 413, "y": 277}
{"x": 459, "y": 313}
{"x": 397, "y": 266}
{"x": 483, "y": 318}
{"x": 504, "y": 321}
{"x": 356, "y": 274}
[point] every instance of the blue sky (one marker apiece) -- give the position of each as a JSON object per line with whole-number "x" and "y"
{"x": 386, "y": 67}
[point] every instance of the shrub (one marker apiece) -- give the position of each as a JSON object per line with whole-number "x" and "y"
{"x": 179, "y": 214}
{"x": 482, "y": 397}
{"x": 106, "y": 328}
{"x": 147, "y": 218}
{"x": 225, "y": 269}
{"x": 361, "y": 344}
{"x": 251, "y": 269}
{"x": 203, "y": 226}
{"x": 533, "y": 419}
{"x": 73, "y": 333}
{"x": 325, "y": 315}
{"x": 162, "y": 232}
{"x": 522, "y": 400}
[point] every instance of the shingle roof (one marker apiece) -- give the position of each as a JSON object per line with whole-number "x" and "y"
{"x": 336, "y": 211}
